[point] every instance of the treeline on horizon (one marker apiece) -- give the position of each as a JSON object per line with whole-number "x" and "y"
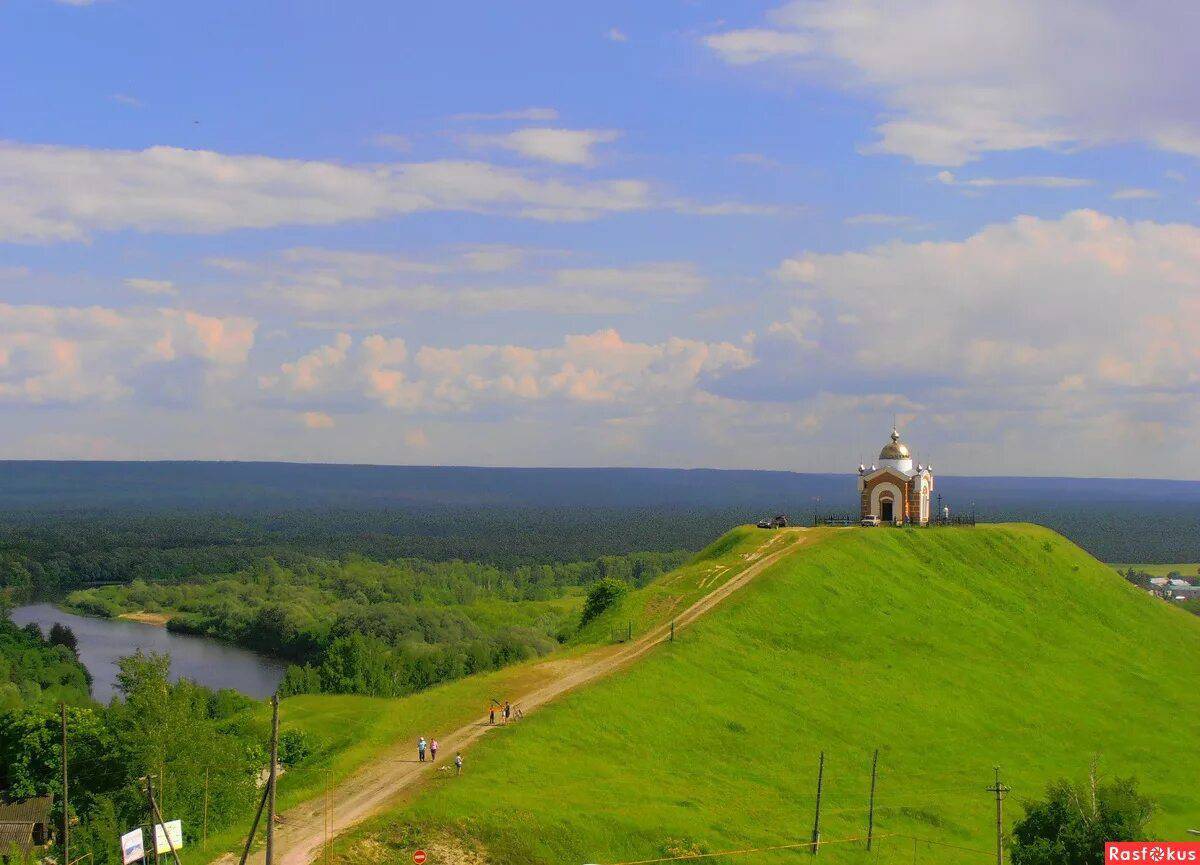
{"x": 45, "y": 553}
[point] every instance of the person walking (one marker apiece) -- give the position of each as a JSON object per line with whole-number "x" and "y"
{"x": 507, "y": 711}
{"x": 433, "y": 746}
{"x": 458, "y": 764}
{"x": 421, "y": 746}
{"x": 492, "y": 714}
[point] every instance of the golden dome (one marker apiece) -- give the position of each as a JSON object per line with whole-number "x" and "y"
{"x": 895, "y": 449}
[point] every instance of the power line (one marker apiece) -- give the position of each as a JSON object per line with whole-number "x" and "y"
{"x": 690, "y": 856}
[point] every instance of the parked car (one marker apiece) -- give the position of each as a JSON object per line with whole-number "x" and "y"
{"x": 765, "y": 524}
{"x": 870, "y": 521}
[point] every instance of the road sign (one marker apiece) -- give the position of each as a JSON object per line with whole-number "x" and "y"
{"x": 172, "y": 831}
{"x": 419, "y": 857}
{"x": 133, "y": 846}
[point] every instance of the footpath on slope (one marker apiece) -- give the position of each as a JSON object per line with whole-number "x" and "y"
{"x": 300, "y": 831}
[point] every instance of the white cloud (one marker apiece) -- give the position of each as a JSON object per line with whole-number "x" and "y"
{"x": 360, "y": 288}
{"x": 1038, "y": 181}
{"x": 151, "y": 286}
{"x": 600, "y": 369}
{"x": 72, "y": 354}
{"x": 317, "y": 420}
{"x": 743, "y": 47}
{"x": 68, "y": 193}
{"x": 531, "y": 114}
{"x": 959, "y": 78}
{"x": 392, "y": 141}
{"x": 799, "y": 326}
{"x": 1135, "y": 193}
{"x": 878, "y": 219}
{"x": 757, "y": 159}
{"x": 1101, "y": 304}
{"x": 561, "y": 146}
{"x": 126, "y": 99}
{"x": 616, "y": 34}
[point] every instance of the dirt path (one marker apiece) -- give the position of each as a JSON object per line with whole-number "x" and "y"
{"x": 300, "y": 832}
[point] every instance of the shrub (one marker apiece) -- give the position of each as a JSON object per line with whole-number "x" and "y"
{"x": 603, "y": 596}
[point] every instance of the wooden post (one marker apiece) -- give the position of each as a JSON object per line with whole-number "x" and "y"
{"x": 158, "y": 821}
{"x": 204, "y": 824}
{"x": 271, "y": 779}
{"x": 999, "y": 789}
{"x": 816, "y": 833}
{"x": 672, "y": 630}
{"x": 254, "y": 827}
{"x": 871, "y": 810}
{"x": 66, "y": 805}
{"x": 328, "y": 822}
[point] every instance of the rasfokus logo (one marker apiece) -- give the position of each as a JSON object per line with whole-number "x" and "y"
{"x": 1152, "y": 851}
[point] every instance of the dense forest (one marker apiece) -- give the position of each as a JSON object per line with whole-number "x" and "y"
{"x": 36, "y": 670}
{"x": 204, "y": 750}
{"x": 382, "y": 628}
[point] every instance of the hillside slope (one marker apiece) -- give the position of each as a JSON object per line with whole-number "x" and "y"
{"x": 950, "y": 650}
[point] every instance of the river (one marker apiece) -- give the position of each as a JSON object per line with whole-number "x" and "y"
{"x": 203, "y": 660}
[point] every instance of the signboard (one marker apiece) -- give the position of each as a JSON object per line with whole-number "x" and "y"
{"x": 133, "y": 846}
{"x": 173, "y": 830}
{"x": 419, "y": 857}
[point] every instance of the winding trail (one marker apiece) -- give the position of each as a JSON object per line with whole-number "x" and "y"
{"x": 300, "y": 831}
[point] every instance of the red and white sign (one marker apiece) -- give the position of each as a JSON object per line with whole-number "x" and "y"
{"x": 1152, "y": 852}
{"x": 419, "y": 857}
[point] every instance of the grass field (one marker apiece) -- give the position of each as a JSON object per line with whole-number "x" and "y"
{"x": 950, "y": 650}
{"x": 1186, "y": 570}
{"x": 349, "y": 731}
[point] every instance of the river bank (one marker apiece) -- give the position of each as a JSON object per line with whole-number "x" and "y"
{"x": 102, "y": 642}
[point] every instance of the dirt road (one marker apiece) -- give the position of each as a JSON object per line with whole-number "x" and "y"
{"x": 300, "y": 833}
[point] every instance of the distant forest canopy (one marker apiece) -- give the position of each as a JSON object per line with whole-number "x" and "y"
{"x": 86, "y": 522}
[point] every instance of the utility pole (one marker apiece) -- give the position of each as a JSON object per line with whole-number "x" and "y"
{"x": 871, "y": 809}
{"x": 816, "y": 833}
{"x": 328, "y": 820}
{"x": 156, "y": 816}
{"x": 66, "y": 810}
{"x": 271, "y": 779}
{"x": 999, "y": 789}
{"x": 262, "y": 803}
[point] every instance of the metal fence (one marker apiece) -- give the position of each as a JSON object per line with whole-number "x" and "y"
{"x": 851, "y": 519}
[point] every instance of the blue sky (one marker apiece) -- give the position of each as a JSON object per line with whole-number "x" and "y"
{"x": 671, "y": 234}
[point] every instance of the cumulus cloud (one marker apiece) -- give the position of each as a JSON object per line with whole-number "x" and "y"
{"x": 959, "y": 78}
{"x": 561, "y": 146}
{"x": 1086, "y": 303}
{"x": 68, "y": 193}
{"x": 599, "y": 369}
{"x": 72, "y": 354}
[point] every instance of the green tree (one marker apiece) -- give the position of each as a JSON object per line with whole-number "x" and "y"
{"x": 1070, "y": 826}
{"x": 602, "y": 596}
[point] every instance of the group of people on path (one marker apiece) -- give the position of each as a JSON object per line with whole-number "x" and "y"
{"x": 431, "y": 747}
{"x": 507, "y": 711}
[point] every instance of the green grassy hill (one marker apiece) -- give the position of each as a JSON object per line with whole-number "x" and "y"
{"x": 950, "y": 650}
